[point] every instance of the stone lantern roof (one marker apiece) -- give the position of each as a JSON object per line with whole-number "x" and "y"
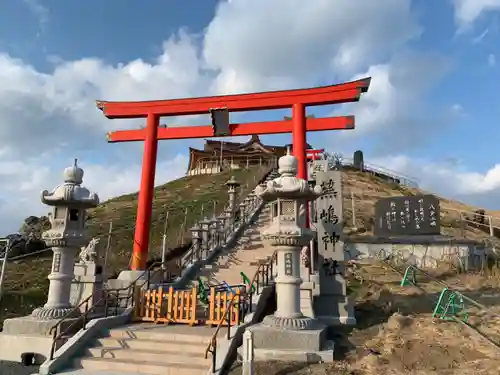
{"x": 71, "y": 193}
{"x": 287, "y": 185}
{"x": 232, "y": 183}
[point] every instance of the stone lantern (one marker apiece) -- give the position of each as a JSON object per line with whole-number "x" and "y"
{"x": 213, "y": 230}
{"x": 244, "y": 211}
{"x": 222, "y": 227}
{"x": 252, "y": 201}
{"x": 232, "y": 185}
{"x": 288, "y": 328}
{"x": 196, "y": 239}
{"x": 66, "y": 236}
{"x": 205, "y": 237}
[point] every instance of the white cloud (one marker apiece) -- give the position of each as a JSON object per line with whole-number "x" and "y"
{"x": 457, "y": 108}
{"x": 32, "y": 102}
{"x": 393, "y": 107}
{"x": 22, "y": 182}
{"x": 250, "y": 45}
{"x": 269, "y": 46}
{"x": 451, "y": 180}
{"x": 492, "y": 60}
{"x": 480, "y": 37}
{"x": 40, "y": 11}
{"x": 468, "y": 11}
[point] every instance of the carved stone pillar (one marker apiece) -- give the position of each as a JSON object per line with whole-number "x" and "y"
{"x": 232, "y": 185}
{"x": 196, "y": 239}
{"x": 243, "y": 212}
{"x": 214, "y": 235}
{"x": 222, "y": 228}
{"x": 205, "y": 237}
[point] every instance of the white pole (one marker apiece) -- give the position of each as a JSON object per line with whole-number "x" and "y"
{"x": 490, "y": 222}
{"x": 164, "y": 244}
{"x": 221, "y": 147}
{"x": 4, "y": 267}
{"x": 248, "y": 353}
{"x": 108, "y": 246}
{"x": 353, "y": 207}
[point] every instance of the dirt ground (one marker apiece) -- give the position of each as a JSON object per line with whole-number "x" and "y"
{"x": 396, "y": 334}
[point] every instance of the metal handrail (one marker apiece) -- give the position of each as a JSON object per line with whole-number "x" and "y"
{"x": 57, "y": 336}
{"x": 4, "y": 265}
{"x": 407, "y": 180}
{"x": 248, "y": 292}
{"x": 485, "y": 215}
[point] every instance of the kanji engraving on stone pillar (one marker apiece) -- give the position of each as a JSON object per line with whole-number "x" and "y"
{"x": 56, "y": 263}
{"x": 288, "y": 264}
{"x": 329, "y": 217}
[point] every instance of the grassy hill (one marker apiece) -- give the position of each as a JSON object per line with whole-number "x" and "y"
{"x": 26, "y": 282}
{"x": 361, "y": 190}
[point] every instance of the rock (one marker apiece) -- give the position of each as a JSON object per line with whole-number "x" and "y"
{"x": 29, "y": 238}
{"x": 398, "y": 322}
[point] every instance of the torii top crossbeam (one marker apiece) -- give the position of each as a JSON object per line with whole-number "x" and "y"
{"x": 333, "y": 94}
{"x": 298, "y": 100}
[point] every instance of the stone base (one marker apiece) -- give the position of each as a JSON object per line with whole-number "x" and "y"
{"x": 29, "y": 325}
{"x": 47, "y": 313}
{"x": 334, "y": 310}
{"x": 293, "y": 324}
{"x": 322, "y": 356}
{"x": 272, "y": 338}
{"x": 13, "y": 345}
{"x": 30, "y": 335}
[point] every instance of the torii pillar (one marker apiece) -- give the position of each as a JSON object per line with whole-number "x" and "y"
{"x": 219, "y": 107}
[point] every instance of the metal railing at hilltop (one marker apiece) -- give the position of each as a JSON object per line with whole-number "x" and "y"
{"x": 400, "y": 178}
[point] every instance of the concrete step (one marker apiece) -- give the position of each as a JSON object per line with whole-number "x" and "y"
{"x": 181, "y": 333}
{"x": 144, "y": 344}
{"x": 142, "y": 367}
{"x": 151, "y": 355}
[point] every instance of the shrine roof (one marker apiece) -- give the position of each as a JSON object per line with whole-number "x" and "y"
{"x": 234, "y": 146}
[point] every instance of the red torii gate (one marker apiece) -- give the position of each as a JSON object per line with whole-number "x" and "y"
{"x": 314, "y": 154}
{"x": 219, "y": 107}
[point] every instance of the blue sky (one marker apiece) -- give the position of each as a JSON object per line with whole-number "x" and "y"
{"x": 432, "y": 109}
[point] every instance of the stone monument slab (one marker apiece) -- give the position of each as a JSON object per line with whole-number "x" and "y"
{"x": 331, "y": 305}
{"x": 407, "y": 215}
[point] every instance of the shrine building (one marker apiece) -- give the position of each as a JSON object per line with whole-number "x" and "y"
{"x": 217, "y": 156}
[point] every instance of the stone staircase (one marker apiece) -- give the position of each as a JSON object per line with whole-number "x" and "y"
{"x": 243, "y": 257}
{"x": 148, "y": 349}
